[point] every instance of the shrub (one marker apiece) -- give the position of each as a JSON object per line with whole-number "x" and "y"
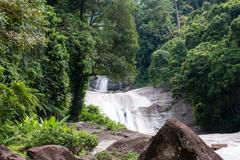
{"x": 166, "y": 61}
{"x": 93, "y": 114}
{"x": 159, "y": 70}
{"x": 104, "y": 155}
{"x": 31, "y": 133}
{"x": 7, "y": 132}
{"x": 130, "y": 156}
{"x": 16, "y": 101}
{"x": 217, "y": 28}
{"x": 54, "y": 132}
{"x": 74, "y": 141}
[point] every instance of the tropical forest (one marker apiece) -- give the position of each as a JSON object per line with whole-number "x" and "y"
{"x": 119, "y": 79}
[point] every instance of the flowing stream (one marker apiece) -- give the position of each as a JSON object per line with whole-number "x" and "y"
{"x": 146, "y": 109}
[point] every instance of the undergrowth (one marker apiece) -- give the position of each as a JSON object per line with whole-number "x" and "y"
{"x": 31, "y": 132}
{"x": 93, "y": 115}
{"x": 104, "y": 155}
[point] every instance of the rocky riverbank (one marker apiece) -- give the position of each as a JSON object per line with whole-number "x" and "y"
{"x": 174, "y": 141}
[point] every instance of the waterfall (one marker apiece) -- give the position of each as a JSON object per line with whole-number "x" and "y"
{"x": 133, "y": 108}
{"x": 102, "y": 84}
{"x": 122, "y": 107}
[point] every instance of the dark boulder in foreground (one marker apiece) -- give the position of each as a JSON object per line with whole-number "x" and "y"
{"x": 6, "y": 154}
{"x": 134, "y": 144}
{"x": 176, "y": 141}
{"x": 50, "y": 152}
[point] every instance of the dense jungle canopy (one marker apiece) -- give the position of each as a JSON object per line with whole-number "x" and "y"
{"x": 50, "y": 48}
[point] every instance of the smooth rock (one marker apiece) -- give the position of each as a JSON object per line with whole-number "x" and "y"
{"x": 51, "y": 152}
{"x": 6, "y": 154}
{"x": 134, "y": 144}
{"x": 176, "y": 141}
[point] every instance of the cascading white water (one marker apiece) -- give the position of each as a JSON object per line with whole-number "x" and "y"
{"x": 102, "y": 84}
{"x": 133, "y": 109}
{"x": 122, "y": 107}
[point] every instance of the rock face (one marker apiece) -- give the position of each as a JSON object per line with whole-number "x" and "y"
{"x": 50, "y": 152}
{"x": 134, "y": 144}
{"x": 111, "y": 86}
{"x": 175, "y": 141}
{"x": 6, "y": 154}
{"x": 165, "y": 106}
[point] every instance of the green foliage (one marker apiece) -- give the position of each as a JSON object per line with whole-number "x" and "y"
{"x": 124, "y": 34}
{"x": 209, "y": 77}
{"x": 217, "y": 28}
{"x": 216, "y": 100}
{"x": 53, "y": 50}
{"x": 55, "y": 80}
{"x": 159, "y": 71}
{"x": 235, "y": 30}
{"x": 101, "y": 39}
{"x": 116, "y": 41}
{"x": 130, "y": 156}
{"x": 159, "y": 21}
{"x": 22, "y": 27}
{"x": 81, "y": 47}
{"x": 104, "y": 155}
{"x": 47, "y": 71}
{"x": 22, "y": 23}
{"x": 167, "y": 61}
{"x": 202, "y": 65}
{"x": 16, "y": 101}
{"x": 30, "y": 133}
{"x": 93, "y": 114}
{"x": 34, "y": 59}
{"x": 7, "y": 133}
{"x": 152, "y": 34}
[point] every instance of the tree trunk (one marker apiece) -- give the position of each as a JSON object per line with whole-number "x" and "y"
{"x": 177, "y": 13}
{"x": 76, "y": 102}
{"x": 82, "y": 5}
{"x": 78, "y": 93}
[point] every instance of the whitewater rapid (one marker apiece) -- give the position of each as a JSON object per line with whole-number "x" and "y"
{"x": 232, "y": 152}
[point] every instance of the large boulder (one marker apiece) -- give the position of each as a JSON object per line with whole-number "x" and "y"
{"x": 50, "y": 152}
{"x": 176, "y": 141}
{"x": 6, "y": 154}
{"x": 134, "y": 144}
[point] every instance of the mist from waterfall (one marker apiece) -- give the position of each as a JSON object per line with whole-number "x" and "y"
{"x": 102, "y": 84}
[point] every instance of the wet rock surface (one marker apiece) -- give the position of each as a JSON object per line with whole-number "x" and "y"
{"x": 130, "y": 144}
{"x": 51, "y": 152}
{"x": 6, "y": 154}
{"x": 176, "y": 141}
{"x": 165, "y": 106}
{"x": 111, "y": 86}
